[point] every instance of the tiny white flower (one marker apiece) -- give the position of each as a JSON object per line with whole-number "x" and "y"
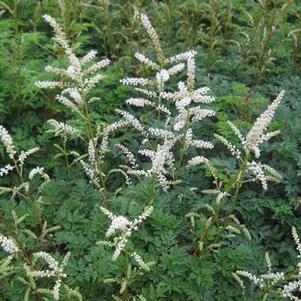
{"x": 8, "y": 245}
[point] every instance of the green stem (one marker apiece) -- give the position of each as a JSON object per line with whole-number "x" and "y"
{"x": 90, "y": 135}
{"x": 183, "y": 146}
{"x": 66, "y": 157}
{"x": 182, "y": 152}
{"x": 17, "y": 49}
{"x": 124, "y": 295}
{"x": 237, "y": 183}
{"x": 27, "y": 196}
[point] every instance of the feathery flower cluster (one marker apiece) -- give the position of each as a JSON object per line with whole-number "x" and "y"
{"x": 255, "y": 135}
{"x": 160, "y": 159}
{"x": 232, "y": 148}
{"x": 183, "y": 99}
{"x": 50, "y": 84}
{"x": 132, "y": 120}
{"x": 150, "y": 94}
{"x": 201, "y": 144}
{"x": 185, "y": 102}
{"x": 291, "y": 288}
{"x": 6, "y": 169}
{"x": 184, "y": 56}
{"x": 140, "y": 261}
{"x": 151, "y": 33}
{"x": 298, "y": 245}
{"x": 271, "y": 280}
{"x": 124, "y": 227}
{"x": 237, "y": 132}
{"x": 89, "y": 171}
{"x": 257, "y": 170}
{"x": 161, "y": 77}
{"x": 55, "y": 270}
{"x": 196, "y": 161}
{"x": 62, "y": 128}
{"x": 97, "y": 152}
{"x": 197, "y": 96}
{"x": 254, "y": 138}
{"x": 165, "y": 134}
{"x": 130, "y": 156}
{"x": 78, "y": 78}
{"x": 134, "y": 81}
{"x": 24, "y": 155}
{"x": 138, "y": 102}
{"x": 202, "y": 160}
{"x": 17, "y": 163}
{"x": 265, "y": 280}
{"x": 38, "y": 171}
{"x": 263, "y": 173}
{"x": 92, "y": 151}
{"x": 105, "y": 135}
{"x": 8, "y": 245}
{"x": 221, "y": 195}
{"x": 176, "y": 69}
{"x": 190, "y": 72}
{"x": 143, "y": 59}
{"x": 118, "y": 223}
{"x": 69, "y": 104}
{"x": 268, "y": 261}
{"x": 7, "y": 141}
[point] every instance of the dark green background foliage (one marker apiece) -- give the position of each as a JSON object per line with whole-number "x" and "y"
{"x": 246, "y": 53}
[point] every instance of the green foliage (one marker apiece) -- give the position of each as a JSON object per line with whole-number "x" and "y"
{"x": 247, "y": 51}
